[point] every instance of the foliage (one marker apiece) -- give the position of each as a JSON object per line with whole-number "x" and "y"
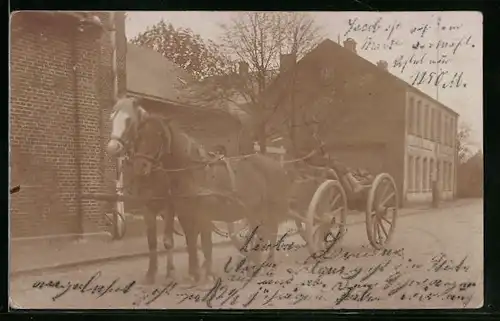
{"x": 188, "y": 50}
{"x": 471, "y": 176}
{"x": 463, "y": 136}
{"x": 257, "y": 40}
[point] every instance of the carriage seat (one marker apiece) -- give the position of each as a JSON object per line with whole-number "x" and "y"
{"x": 363, "y": 177}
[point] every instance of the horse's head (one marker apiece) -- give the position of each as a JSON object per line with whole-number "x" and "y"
{"x": 125, "y": 120}
{"x": 151, "y": 146}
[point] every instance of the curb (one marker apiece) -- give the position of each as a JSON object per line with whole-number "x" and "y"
{"x": 64, "y": 266}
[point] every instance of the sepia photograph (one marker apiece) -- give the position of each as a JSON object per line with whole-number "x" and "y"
{"x": 246, "y": 160}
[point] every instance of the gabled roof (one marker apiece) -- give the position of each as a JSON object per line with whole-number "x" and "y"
{"x": 331, "y": 46}
{"x": 152, "y": 76}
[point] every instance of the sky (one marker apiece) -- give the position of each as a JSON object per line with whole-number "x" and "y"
{"x": 389, "y": 36}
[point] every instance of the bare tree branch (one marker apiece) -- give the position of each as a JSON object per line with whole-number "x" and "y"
{"x": 258, "y": 39}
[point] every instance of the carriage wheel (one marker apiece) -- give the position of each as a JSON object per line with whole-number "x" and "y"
{"x": 326, "y": 216}
{"x": 381, "y": 210}
{"x": 121, "y": 227}
{"x": 301, "y": 228}
{"x": 178, "y": 228}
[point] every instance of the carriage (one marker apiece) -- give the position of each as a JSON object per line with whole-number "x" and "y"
{"x": 319, "y": 205}
{"x": 177, "y": 175}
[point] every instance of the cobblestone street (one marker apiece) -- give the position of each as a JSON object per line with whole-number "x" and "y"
{"x": 435, "y": 260}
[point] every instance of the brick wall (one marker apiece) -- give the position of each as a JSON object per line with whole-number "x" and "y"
{"x": 58, "y": 125}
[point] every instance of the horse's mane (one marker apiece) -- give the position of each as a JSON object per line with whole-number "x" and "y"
{"x": 175, "y": 128}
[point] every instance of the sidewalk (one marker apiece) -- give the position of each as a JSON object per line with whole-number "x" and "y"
{"x": 38, "y": 257}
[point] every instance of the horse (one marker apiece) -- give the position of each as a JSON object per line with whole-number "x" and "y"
{"x": 203, "y": 188}
{"x": 121, "y": 143}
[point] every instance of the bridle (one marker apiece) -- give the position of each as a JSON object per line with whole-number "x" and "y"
{"x": 157, "y": 158}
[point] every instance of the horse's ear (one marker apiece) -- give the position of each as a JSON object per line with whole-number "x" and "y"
{"x": 137, "y": 102}
{"x": 143, "y": 114}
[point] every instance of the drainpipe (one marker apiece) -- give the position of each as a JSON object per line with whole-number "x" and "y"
{"x": 120, "y": 208}
{"x": 76, "y": 119}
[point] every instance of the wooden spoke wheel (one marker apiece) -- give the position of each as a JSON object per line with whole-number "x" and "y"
{"x": 381, "y": 210}
{"x": 119, "y": 232}
{"x": 301, "y": 228}
{"x": 178, "y": 228}
{"x": 326, "y": 216}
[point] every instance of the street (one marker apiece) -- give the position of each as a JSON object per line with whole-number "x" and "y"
{"x": 435, "y": 260}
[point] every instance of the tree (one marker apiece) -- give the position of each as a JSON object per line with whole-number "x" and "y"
{"x": 471, "y": 176}
{"x": 257, "y": 40}
{"x": 188, "y": 50}
{"x": 463, "y": 136}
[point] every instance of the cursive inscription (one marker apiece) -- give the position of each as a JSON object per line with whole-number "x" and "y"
{"x": 339, "y": 278}
{"x": 428, "y": 53}
{"x": 90, "y": 286}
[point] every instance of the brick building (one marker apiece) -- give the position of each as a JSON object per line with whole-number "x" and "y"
{"x": 61, "y": 94}
{"x": 367, "y": 117}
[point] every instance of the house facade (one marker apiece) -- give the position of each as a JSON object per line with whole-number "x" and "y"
{"x": 61, "y": 95}
{"x": 364, "y": 116}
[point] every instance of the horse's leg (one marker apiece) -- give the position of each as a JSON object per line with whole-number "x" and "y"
{"x": 150, "y": 220}
{"x": 168, "y": 239}
{"x": 191, "y": 231}
{"x": 207, "y": 245}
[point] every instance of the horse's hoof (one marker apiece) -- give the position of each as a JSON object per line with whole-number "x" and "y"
{"x": 189, "y": 282}
{"x": 211, "y": 277}
{"x": 168, "y": 245}
{"x": 170, "y": 276}
{"x": 149, "y": 279}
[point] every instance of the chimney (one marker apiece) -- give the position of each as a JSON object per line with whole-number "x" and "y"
{"x": 350, "y": 44}
{"x": 287, "y": 61}
{"x": 383, "y": 64}
{"x": 243, "y": 68}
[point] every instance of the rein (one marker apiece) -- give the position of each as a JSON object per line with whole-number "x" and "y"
{"x": 157, "y": 165}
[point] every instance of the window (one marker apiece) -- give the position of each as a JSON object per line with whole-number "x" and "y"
{"x": 453, "y": 132}
{"x": 445, "y": 176}
{"x": 450, "y": 178}
{"x": 425, "y": 175}
{"x": 431, "y": 171}
{"x": 411, "y": 117}
{"x": 418, "y": 129}
{"x": 432, "y": 124}
{"x": 443, "y": 130}
{"x": 445, "y": 121}
{"x": 450, "y": 131}
{"x": 426, "y": 122}
{"x": 410, "y": 173}
{"x": 438, "y": 172}
{"x": 418, "y": 174}
{"x": 438, "y": 127}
